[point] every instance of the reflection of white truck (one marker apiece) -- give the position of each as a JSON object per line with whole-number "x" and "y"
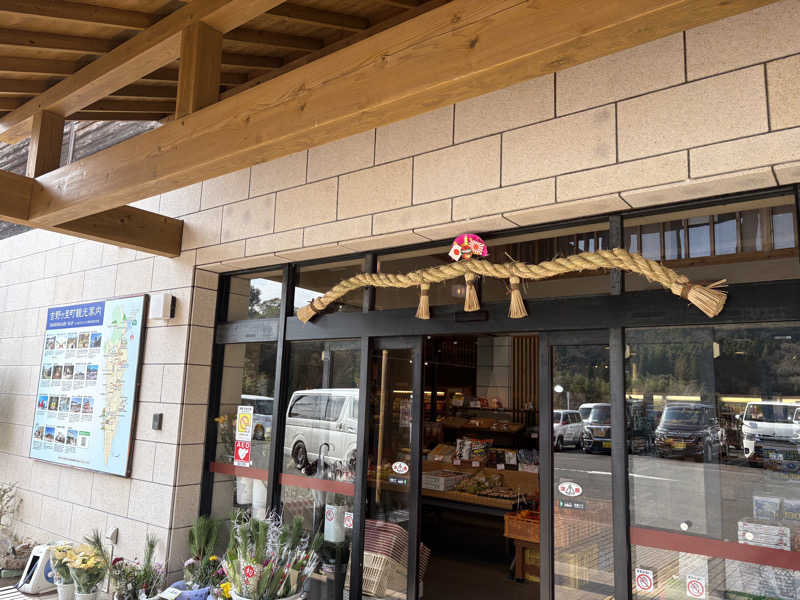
{"x": 769, "y": 422}
{"x": 324, "y": 416}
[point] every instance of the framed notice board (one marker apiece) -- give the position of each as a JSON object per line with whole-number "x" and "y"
{"x": 88, "y": 383}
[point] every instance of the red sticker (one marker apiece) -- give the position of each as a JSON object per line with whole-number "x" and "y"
{"x": 241, "y": 456}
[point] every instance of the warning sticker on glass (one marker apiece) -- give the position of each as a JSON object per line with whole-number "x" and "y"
{"x": 644, "y": 580}
{"x": 695, "y": 587}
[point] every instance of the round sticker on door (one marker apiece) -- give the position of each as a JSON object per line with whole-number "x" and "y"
{"x": 400, "y": 468}
{"x": 570, "y": 489}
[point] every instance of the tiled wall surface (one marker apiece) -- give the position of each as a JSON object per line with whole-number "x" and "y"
{"x": 709, "y": 111}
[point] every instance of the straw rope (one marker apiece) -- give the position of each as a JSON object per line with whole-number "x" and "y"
{"x": 708, "y": 299}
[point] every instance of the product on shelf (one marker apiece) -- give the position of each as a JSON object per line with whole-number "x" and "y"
{"x": 767, "y": 534}
{"x": 442, "y": 481}
{"x": 442, "y": 453}
{"x": 766, "y": 508}
{"x": 481, "y": 482}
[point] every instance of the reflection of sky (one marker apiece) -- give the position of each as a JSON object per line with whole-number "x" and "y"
{"x": 272, "y": 289}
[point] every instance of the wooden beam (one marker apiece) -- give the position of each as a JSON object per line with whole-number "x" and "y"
{"x": 130, "y": 227}
{"x": 37, "y": 66}
{"x": 201, "y": 64}
{"x": 79, "y": 13}
{"x": 457, "y": 51}
{"x": 274, "y": 39}
{"x": 44, "y": 152}
{"x": 172, "y": 75}
{"x": 11, "y": 103}
{"x": 131, "y": 106}
{"x": 142, "y": 92}
{"x": 84, "y": 115}
{"x": 124, "y": 226}
{"x": 55, "y": 41}
{"x": 22, "y": 86}
{"x": 132, "y": 60}
{"x": 251, "y": 61}
{"x": 315, "y": 16}
{"x": 15, "y": 197}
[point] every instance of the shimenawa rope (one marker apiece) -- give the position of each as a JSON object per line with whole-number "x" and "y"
{"x": 708, "y": 298}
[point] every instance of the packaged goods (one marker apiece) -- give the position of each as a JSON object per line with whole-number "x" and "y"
{"x": 766, "y": 508}
{"x": 765, "y": 533}
{"x": 441, "y": 481}
{"x": 791, "y": 510}
{"x": 480, "y": 448}
{"x": 442, "y": 453}
{"x": 464, "y": 449}
{"x": 481, "y": 482}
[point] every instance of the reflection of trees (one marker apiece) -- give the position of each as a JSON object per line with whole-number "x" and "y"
{"x": 259, "y": 369}
{"x": 763, "y": 362}
{"x": 583, "y": 372}
{"x": 667, "y": 368}
{"x": 308, "y": 366}
{"x": 260, "y": 309}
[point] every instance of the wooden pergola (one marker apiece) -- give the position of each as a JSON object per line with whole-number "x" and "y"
{"x": 238, "y": 82}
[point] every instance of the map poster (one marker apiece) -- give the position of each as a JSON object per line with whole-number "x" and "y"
{"x": 86, "y": 399}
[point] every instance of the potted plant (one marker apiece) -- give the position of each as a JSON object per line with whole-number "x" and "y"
{"x": 88, "y": 565}
{"x": 203, "y": 570}
{"x": 58, "y": 560}
{"x": 267, "y": 560}
{"x": 134, "y": 580}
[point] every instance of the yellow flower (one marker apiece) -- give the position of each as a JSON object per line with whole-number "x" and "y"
{"x": 214, "y": 557}
{"x": 226, "y": 589}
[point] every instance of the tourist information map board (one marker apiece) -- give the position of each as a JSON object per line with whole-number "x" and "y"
{"x": 86, "y": 400}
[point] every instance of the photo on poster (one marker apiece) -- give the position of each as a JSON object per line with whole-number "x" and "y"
{"x": 52, "y": 403}
{"x": 50, "y": 342}
{"x": 91, "y": 372}
{"x": 47, "y": 371}
{"x": 80, "y": 372}
{"x": 41, "y": 403}
{"x": 72, "y": 437}
{"x": 75, "y": 405}
{"x": 83, "y": 439}
{"x": 96, "y": 340}
{"x": 63, "y": 404}
{"x": 72, "y": 342}
{"x": 57, "y": 371}
{"x": 61, "y": 342}
{"x": 88, "y": 406}
{"x": 67, "y": 372}
{"x": 83, "y": 341}
{"x": 61, "y": 435}
{"x": 49, "y": 434}
{"x": 38, "y": 432}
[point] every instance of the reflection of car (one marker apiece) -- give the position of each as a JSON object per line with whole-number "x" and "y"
{"x": 597, "y": 428}
{"x": 689, "y": 430}
{"x": 567, "y": 428}
{"x": 325, "y": 416}
{"x": 586, "y": 409}
{"x": 765, "y": 423}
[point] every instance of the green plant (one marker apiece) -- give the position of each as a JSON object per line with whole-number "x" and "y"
{"x": 131, "y": 577}
{"x": 202, "y": 569}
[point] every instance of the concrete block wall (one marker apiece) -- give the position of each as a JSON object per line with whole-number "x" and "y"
{"x": 40, "y": 269}
{"x": 708, "y": 111}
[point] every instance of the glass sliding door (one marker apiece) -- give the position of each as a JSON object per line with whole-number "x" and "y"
{"x": 319, "y": 453}
{"x": 391, "y": 539}
{"x": 581, "y": 406}
{"x": 715, "y": 488}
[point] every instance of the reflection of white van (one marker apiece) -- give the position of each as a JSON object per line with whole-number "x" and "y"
{"x": 317, "y": 417}
{"x": 586, "y": 409}
{"x": 769, "y": 421}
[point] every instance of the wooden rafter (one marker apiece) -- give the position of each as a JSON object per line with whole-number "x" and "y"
{"x": 79, "y": 13}
{"x": 55, "y": 41}
{"x": 276, "y": 40}
{"x": 315, "y": 16}
{"x": 198, "y": 82}
{"x": 132, "y": 60}
{"x": 456, "y": 51}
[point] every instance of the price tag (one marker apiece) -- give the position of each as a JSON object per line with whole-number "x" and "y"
{"x": 456, "y": 461}
{"x": 476, "y": 463}
{"x": 501, "y": 467}
{"x": 170, "y": 593}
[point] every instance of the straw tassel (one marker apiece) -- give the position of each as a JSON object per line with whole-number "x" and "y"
{"x": 424, "y": 308}
{"x": 707, "y": 298}
{"x": 517, "y": 308}
{"x": 308, "y": 312}
{"x": 471, "y": 303}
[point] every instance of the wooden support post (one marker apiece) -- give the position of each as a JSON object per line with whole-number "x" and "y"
{"x": 199, "y": 75}
{"x": 44, "y": 153}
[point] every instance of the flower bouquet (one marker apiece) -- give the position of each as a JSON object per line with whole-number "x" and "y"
{"x": 267, "y": 560}
{"x": 58, "y": 560}
{"x": 88, "y": 565}
{"x": 203, "y": 569}
{"x": 134, "y": 580}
